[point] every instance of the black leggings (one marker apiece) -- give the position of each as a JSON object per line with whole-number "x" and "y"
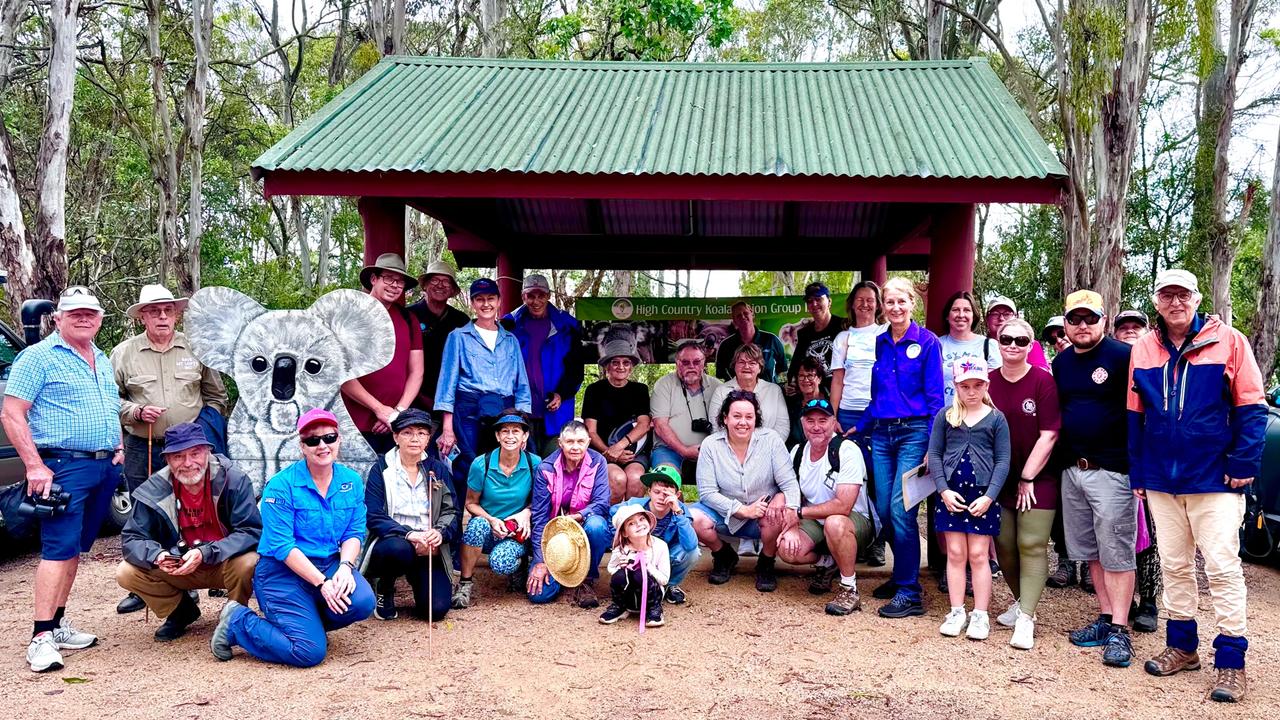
{"x": 393, "y": 557}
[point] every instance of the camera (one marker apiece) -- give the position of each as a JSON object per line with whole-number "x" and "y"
{"x": 43, "y": 507}
{"x": 701, "y": 425}
{"x": 182, "y": 548}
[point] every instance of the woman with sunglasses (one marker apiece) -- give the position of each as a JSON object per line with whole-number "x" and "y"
{"x": 1028, "y": 398}
{"x": 313, "y": 522}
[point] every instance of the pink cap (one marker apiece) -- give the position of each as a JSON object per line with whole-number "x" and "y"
{"x": 316, "y": 415}
{"x": 967, "y": 368}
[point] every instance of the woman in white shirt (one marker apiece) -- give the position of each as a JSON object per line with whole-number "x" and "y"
{"x": 748, "y": 361}
{"x": 852, "y": 356}
{"x": 959, "y": 314}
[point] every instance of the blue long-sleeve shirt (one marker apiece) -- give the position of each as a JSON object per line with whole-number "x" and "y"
{"x": 295, "y": 515}
{"x": 468, "y": 365}
{"x": 906, "y": 380}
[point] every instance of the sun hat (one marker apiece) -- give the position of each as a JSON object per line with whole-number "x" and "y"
{"x": 1132, "y": 316}
{"x": 967, "y": 368}
{"x": 388, "y": 262}
{"x": 440, "y": 267}
{"x": 79, "y": 297}
{"x": 1084, "y": 300}
{"x": 618, "y": 348}
{"x": 483, "y": 286}
{"x": 661, "y": 473}
{"x": 535, "y": 282}
{"x": 155, "y": 295}
{"x": 184, "y": 436}
{"x": 411, "y": 418}
{"x": 566, "y": 551}
{"x": 624, "y": 513}
{"x": 1001, "y": 301}
{"x": 511, "y": 419}
{"x": 815, "y": 290}
{"x": 1057, "y": 321}
{"x": 314, "y": 416}
{"x": 1177, "y": 278}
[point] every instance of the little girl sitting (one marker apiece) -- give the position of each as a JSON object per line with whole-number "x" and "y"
{"x": 969, "y": 461}
{"x": 639, "y": 566}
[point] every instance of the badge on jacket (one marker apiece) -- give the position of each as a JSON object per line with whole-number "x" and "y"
{"x": 913, "y": 350}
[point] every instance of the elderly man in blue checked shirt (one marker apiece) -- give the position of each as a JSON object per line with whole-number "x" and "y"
{"x": 61, "y": 411}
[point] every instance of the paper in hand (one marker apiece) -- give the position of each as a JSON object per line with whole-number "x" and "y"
{"x": 917, "y": 484}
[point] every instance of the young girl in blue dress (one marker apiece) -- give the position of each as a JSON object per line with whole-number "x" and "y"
{"x": 969, "y": 461}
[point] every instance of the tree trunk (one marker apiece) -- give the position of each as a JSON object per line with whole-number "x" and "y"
{"x": 16, "y": 255}
{"x": 378, "y": 25}
{"x": 1266, "y": 322}
{"x": 622, "y": 283}
{"x": 397, "y": 27}
{"x": 326, "y": 235}
{"x": 201, "y": 33}
{"x": 492, "y": 13}
{"x": 338, "y": 61}
{"x": 173, "y": 253}
{"x": 50, "y": 242}
{"x": 933, "y": 30}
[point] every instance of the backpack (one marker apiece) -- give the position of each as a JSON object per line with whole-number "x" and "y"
{"x": 528, "y": 460}
{"x": 833, "y": 455}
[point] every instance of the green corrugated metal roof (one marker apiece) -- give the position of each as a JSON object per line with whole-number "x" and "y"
{"x": 951, "y": 119}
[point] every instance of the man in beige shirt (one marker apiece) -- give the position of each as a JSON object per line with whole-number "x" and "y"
{"x": 161, "y": 384}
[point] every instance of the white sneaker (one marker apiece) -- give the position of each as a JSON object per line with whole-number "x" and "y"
{"x": 43, "y": 653}
{"x": 1009, "y": 617}
{"x": 979, "y": 626}
{"x": 69, "y": 638}
{"x": 1024, "y": 633}
{"x": 953, "y": 623}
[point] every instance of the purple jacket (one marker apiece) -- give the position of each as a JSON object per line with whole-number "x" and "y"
{"x": 591, "y": 501}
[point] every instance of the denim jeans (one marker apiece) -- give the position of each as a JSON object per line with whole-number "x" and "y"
{"x": 896, "y": 448}
{"x": 681, "y": 563}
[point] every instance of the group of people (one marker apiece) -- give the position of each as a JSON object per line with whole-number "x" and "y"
{"x": 1129, "y": 444}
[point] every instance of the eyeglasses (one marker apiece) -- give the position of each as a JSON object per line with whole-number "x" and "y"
{"x": 440, "y": 281}
{"x": 392, "y": 278}
{"x": 1168, "y": 298}
{"x": 1019, "y": 340}
{"x": 315, "y": 440}
{"x": 1089, "y": 319}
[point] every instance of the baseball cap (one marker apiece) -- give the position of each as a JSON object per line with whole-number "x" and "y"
{"x": 314, "y": 416}
{"x": 967, "y": 368}
{"x": 511, "y": 420}
{"x": 535, "y": 282}
{"x": 1084, "y": 300}
{"x": 818, "y": 405}
{"x": 412, "y": 417}
{"x": 79, "y": 297}
{"x": 1132, "y": 316}
{"x": 183, "y": 436}
{"x": 483, "y": 286}
{"x": 815, "y": 290}
{"x": 661, "y": 473}
{"x": 1002, "y": 301}
{"x": 1177, "y": 278}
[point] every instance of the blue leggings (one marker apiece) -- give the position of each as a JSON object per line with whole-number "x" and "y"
{"x": 504, "y": 554}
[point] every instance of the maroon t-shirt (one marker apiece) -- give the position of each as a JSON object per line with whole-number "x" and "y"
{"x": 1031, "y": 406}
{"x": 388, "y": 383}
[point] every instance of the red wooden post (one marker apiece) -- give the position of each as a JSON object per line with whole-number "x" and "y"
{"x": 952, "y": 252}
{"x": 383, "y": 220}
{"x": 510, "y": 278}
{"x": 878, "y": 271}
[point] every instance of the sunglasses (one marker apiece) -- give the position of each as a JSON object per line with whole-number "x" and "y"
{"x": 1089, "y": 319}
{"x": 315, "y": 440}
{"x": 75, "y": 290}
{"x": 1019, "y": 340}
{"x": 817, "y": 403}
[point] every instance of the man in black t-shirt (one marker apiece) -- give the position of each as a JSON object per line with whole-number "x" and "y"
{"x": 436, "y": 318}
{"x": 1098, "y": 509}
{"x": 815, "y": 338}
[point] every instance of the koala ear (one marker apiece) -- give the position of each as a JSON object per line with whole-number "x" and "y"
{"x": 362, "y": 327}
{"x": 215, "y": 317}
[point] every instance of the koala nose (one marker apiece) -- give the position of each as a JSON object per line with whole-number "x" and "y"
{"x": 282, "y": 378}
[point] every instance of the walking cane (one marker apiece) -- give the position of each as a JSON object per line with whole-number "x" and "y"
{"x": 149, "y": 426}
{"x": 431, "y": 648}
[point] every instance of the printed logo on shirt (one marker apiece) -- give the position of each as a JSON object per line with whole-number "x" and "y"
{"x": 913, "y": 350}
{"x": 345, "y": 487}
{"x": 269, "y": 500}
{"x": 1029, "y": 406}
{"x": 187, "y": 363}
{"x": 1100, "y": 376}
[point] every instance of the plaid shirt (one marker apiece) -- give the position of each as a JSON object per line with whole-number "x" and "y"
{"x": 73, "y": 406}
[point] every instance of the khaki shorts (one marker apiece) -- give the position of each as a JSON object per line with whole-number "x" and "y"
{"x": 862, "y": 529}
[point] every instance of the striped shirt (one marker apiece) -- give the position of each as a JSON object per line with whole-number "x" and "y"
{"x": 73, "y": 406}
{"x": 724, "y": 484}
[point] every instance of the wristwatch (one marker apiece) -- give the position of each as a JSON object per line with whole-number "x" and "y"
{"x": 349, "y": 564}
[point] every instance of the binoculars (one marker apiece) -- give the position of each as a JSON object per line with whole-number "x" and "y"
{"x": 41, "y": 507}
{"x": 182, "y": 548}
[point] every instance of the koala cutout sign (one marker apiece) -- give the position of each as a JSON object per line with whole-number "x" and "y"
{"x": 286, "y": 362}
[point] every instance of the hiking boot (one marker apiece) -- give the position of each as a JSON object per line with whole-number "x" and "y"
{"x": 1146, "y": 617}
{"x": 462, "y": 595}
{"x": 1172, "y": 660}
{"x": 766, "y": 577}
{"x": 1024, "y": 632}
{"x": 66, "y": 637}
{"x": 845, "y": 601}
{"x": 823, "y": 578}
{"x": 653, "y": 618}
{"x": 1119, "y": 649}
{"x": 885, "y": 590}
{"x": 585, "y": 596}
{"x": 42, "y": 653}
{"x": 901, "y": 606}
{"x": 875, "y": 554}
{"x": 175, "y": 626}
{"x": 953, "y": 623}
{"x": 723, "y": 561}
{"x": 130, "y": 604}
{"x": 1230, "y": 686}
{"x": 1092, "y": 635}
{"x": 1086, "y": 579}
{"x": 1009, "y": 618}
{"x": 675, "y": 595}
{"x": 979, "y": 626}
{"x": 1064, "y": 576}
{"x": 220, "y": 642}
{"x": 613, "y": 614}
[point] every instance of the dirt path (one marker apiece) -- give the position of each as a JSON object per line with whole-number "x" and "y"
{"x": 729, "y": 653}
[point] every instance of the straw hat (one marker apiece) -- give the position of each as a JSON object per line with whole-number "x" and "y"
{"x": 624, "y": 514}
{"x": 566, "y": 551}
{"x": 155, "y": 295}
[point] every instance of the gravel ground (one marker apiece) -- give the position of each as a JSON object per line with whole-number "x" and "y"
{"x": 729, "y": 653}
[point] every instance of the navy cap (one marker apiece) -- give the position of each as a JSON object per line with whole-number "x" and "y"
{"x": 184, "y": 436}
{"x": 412, "y": 417}
{"x": 814, "y": 290}
{"x": 483, "y": 286}
{"x": 511, "y": 420}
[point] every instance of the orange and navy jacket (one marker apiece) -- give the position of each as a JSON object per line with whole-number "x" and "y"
{"x": 1200, "y": 419}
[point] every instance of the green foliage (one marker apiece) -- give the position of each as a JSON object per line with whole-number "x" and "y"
{"x": 1095, "y": 32}
{"x": 1024, "y": 263}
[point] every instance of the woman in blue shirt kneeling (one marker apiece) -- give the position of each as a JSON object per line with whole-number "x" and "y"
{"x": 313, "y": 522}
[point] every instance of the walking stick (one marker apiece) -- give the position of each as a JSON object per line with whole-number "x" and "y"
{"x": 149, "y": 426}
{"x": 431, "y": 576}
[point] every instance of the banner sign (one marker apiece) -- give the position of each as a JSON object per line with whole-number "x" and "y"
{"x": 657, "y": 325}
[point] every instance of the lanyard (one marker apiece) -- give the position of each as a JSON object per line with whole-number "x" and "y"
{"x": 703, "y": 395}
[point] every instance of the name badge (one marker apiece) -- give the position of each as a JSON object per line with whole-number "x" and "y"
{"x": 913, "y": 350}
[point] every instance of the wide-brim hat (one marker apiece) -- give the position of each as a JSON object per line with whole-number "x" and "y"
{"x": 387, "y": 262}
{"x": 566, "y": 551}
{"x": 440, "y": 267}
{"x": 155, "y": 295}
{"x": 625, "y": 513}
{"x": 618, "y": 348}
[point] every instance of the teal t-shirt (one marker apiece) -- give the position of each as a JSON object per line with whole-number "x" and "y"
{"x": 502, "y": 496}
